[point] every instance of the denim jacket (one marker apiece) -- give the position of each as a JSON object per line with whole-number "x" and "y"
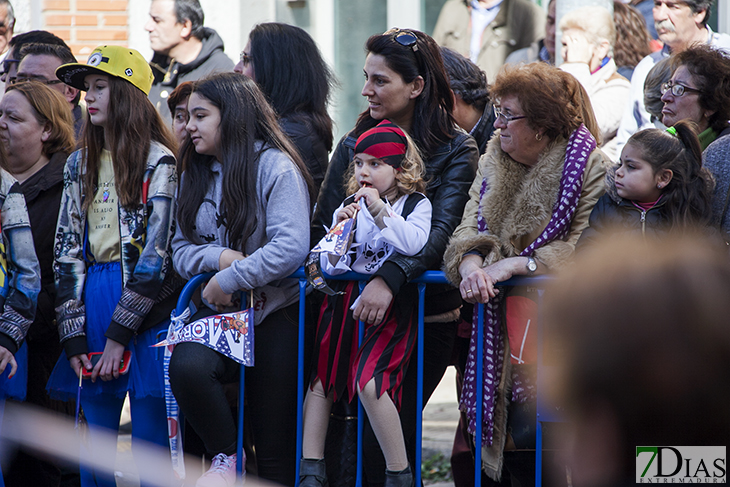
{"x": 20, "y": 273}
{"x": 145, "y": 236}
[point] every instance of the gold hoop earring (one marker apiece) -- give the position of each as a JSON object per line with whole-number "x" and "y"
{"x": 538, "y": 136}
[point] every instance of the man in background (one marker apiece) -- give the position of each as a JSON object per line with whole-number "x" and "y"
{"x": 10, "y": 64}
{"x": 679, "y": 24}
{"x": 487, "y": 31}
{"x": 39, "y": 62}
{"x": 184, "y": 49}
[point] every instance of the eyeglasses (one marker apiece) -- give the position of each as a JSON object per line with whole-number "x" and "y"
{"x": 245, "y": 58}
{"x": 677, "y": 89}
{"x": 7, "y": 63}
{"x": 507, "y": 118}
{"x": 21, "y": 79}
{"x": 404, "y": 38}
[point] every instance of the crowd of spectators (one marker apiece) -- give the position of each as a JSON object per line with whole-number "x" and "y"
{"x": 486, "y": 150}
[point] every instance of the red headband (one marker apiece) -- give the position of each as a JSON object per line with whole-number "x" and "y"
{"x": 386, "y": 141}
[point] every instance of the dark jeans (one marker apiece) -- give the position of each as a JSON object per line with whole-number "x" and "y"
{"x": 438, "y": 342}
{"x": 197, "y": 376}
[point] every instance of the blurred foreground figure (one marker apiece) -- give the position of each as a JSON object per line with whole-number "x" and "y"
{"x": 644, "y": 352}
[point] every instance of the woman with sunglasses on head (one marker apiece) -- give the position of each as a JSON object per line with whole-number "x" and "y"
{"x": 536, "y": 185}
{"x": 278, "y": 57}
{"x": 405, "y": 82}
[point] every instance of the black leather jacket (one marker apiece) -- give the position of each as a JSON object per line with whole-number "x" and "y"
{"x": 450, "y": 171}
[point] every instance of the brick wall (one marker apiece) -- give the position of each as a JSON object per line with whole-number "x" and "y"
{"x": 85, "y": 24}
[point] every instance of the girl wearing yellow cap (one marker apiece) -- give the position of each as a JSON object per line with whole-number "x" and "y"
{"x": 115, "y": 282}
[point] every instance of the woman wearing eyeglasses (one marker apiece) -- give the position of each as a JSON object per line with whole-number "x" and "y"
{"x": 534, "y": 190}
{"x": 278, "y": 57}
{"x": 699, "y": 90}
{"x": 405, "y": 82}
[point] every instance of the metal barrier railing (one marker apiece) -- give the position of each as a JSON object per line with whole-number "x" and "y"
{"x": 428, "y": 277}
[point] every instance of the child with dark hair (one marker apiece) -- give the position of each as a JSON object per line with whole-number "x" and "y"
{"x": 177, "y": 102}
{"x": 245, "y": 216}
{"x": 659, "y": 186}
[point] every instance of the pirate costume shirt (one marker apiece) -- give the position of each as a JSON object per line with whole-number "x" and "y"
{"x": 380, "y": 230}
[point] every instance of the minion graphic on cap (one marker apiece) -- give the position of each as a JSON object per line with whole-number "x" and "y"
{"x": 119, "y": 61}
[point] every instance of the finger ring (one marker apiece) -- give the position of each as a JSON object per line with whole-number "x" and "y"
{"x": 468, "y": 291}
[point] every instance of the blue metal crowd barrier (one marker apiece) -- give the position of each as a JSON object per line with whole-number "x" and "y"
{"x": 428, "y": 277}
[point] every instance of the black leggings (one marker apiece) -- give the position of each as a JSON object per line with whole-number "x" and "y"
{"x": 197, "y": 375}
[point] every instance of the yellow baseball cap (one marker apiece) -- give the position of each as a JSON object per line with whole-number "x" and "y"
{"x": 118, "y": 61}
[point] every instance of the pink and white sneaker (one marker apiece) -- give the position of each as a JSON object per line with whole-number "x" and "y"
{"x": 222, "y": 472}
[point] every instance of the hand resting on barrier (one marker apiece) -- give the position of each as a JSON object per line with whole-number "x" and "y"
{"x": 478, "y": 284}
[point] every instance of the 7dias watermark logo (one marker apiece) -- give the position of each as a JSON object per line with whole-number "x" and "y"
{"x": 681, "y": 465}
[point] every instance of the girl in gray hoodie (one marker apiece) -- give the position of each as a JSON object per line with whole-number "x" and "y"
{"x": 244, "y": 214}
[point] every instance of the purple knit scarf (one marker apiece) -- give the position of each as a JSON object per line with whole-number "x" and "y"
{"x": 580, "y": 146}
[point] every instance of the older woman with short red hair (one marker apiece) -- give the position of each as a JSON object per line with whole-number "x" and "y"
{"x": 534, "y": 190}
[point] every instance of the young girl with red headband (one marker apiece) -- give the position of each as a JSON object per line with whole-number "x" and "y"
{"x": 392, "y": 215}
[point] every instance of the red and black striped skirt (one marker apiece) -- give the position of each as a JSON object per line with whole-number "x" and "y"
{"x": 383, "y": 355}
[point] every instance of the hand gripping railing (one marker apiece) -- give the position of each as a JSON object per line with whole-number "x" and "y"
{"x": 428, "y": 277}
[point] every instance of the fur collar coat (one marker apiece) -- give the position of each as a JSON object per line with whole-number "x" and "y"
{"x": 517, "y": 207}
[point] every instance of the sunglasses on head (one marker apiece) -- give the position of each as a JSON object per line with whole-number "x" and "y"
{"x": 404, "y": 38}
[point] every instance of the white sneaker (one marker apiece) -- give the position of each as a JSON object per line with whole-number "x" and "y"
{"x": 222, "y": 472}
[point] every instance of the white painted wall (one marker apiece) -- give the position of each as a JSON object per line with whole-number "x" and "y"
{"x": 723, "y": 16}
{"x": 323, "y": 28}
{"x": 24, "y": 11}
{"x": 405, "y": 14}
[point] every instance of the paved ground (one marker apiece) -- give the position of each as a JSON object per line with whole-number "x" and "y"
{"x": 439, "y": 423}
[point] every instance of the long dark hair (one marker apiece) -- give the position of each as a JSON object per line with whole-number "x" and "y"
{"x": 132, "y": 124}
{"x": 432, "y": 121}
{"x": 283, "y": 56}
{"x": 246, "y": 118}
{"x": 688, "y": 196}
